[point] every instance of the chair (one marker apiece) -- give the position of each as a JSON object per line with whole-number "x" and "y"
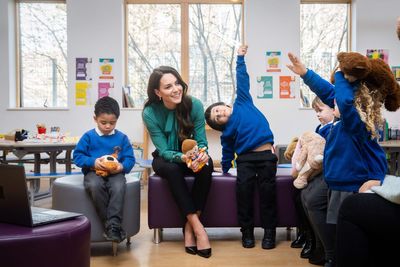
{"x": 61, "y": 244}
{"x": 69, "y": 194}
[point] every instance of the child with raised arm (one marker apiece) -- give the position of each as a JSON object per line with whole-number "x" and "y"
{"x": 353, "y": 159}
{"x": 246, "y": 132}
{"x": 107, "y": 193}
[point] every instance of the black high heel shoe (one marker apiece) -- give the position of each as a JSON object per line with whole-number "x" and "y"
{"x": 205, "y": 253}
{"x": 192, "y": 249}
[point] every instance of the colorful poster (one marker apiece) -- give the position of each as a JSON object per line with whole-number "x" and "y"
{"x": 81, "y": 93}
{"x": 83, "y": 67}
{"x": 287, "y": 86}
{"x": 378, "y": 53}
{"x": 264, "y": 87}
{"x": 273, "y": 61}
{"x": 396, "y": 72}
{"x": 103, "y": 88}
{"x": 106, "y": 68}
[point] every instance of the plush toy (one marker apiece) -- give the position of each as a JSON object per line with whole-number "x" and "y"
{"x": 306, "y": 154}
{"x": 374, "y": 74}
{"x": 111, "y": 163}
{"x": 191, "y": 150}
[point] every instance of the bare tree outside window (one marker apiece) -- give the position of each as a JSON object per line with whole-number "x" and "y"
{"x": 42, "y": 54}
{"x": 215, "y": 34}
{"x": 323, "y": 33}
{"x": 154, "y": 39}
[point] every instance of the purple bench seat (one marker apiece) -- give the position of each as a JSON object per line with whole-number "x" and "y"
{"x": 220, "y": 210}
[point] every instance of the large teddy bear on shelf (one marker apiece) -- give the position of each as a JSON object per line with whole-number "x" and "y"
{"x": 306, "y": 154}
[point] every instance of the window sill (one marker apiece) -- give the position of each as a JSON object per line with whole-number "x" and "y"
{"x": 37, "y": 109}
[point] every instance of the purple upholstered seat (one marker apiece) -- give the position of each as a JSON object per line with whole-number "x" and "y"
{"x": 220, "y": 210}
{"x": 62, "y": 244}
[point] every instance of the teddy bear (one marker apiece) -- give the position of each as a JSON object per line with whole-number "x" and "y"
{"x": 110, "y": 161}
{"x": 306, "y": 154}
{"x": 375, "y": 74}
{"x": 191, "y": 150}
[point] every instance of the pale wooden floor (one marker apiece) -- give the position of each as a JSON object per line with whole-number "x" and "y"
{"x": 225, "y": 242}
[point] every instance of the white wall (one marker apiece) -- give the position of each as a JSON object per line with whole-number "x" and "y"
{"x": 96, "y": 29}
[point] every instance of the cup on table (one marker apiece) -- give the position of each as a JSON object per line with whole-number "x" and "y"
{"x": 41, "y": 130}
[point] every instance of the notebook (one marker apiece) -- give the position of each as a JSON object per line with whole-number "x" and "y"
{"x": 14, "y": 201}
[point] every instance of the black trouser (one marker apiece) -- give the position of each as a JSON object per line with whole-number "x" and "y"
{"x": 188, "y": 201}
{"x": 368, "y": 232}
{"x": 107, "y": 195}
{"x": 304, "y": 223}
{"x": 257, "y": 167}
{"x": 315, "y": 203}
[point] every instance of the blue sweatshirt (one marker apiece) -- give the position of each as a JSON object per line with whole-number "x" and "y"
{"x": 247, "y": 128}
{"x": 351, "y": 157}
{"x": 92, "y": 146}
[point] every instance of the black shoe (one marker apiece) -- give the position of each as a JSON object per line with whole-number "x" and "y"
{"x": 306, "y": 252}
{"x": 329, "y": 263}
{"x": 308, "y": 248}
{"x": 191, "y": 250}
{"x": 300, "y": 241}
{"x": 205, "y": 253}
{"x": 268, "y": 241}
{"x": 113, "y": 234}
{"x": 248, "y": 240}
{"x": 317, "y": 256}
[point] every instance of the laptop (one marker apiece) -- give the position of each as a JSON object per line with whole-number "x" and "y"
{"x": 14, "y": 201}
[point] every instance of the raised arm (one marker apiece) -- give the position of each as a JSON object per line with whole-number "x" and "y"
{"x": 242, "y": 77}
{"x": 321, "y": 87}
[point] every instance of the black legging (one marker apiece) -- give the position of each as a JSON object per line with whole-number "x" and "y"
{"x": 368, "y": 232}
{"x": 188, "y": 201}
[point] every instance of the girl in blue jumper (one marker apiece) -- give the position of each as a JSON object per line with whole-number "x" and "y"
{"x": 353, "y": 159}
{"x": 246, "y": 132}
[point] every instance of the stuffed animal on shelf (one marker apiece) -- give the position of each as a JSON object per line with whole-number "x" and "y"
{"x": 306, "y": 154}
{"x": 110, "y": 161}
{"x": 191, "y": 150}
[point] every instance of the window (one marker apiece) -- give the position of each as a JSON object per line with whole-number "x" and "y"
{"x": 324, "y": 31}
{"x": 198, "y": 38}
{"x": 42, "y": 54}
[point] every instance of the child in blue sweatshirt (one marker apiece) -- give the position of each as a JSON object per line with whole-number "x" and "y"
{"x": 246, "y": 132}
{"x": 107, "y": 193}
{"x": 353, "y": 159}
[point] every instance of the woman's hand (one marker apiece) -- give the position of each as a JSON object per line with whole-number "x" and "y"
{"x": 201, "y": 158}
{"x": 298, "y": 67}
{"x": 368, "y": 184}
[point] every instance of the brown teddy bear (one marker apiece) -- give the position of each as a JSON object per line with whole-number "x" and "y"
{"x": 191, "y": 150}
{"x": 376, "y": 86}
{"x": 111, "y": 162}
{"x": 306, "y": 154}
{"x": 374, "y": 74}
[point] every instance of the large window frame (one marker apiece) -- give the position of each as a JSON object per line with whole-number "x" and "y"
{"x": 18, "y": 57}
{"x": 303, "y": 88}
{"x": 184, "y": 4}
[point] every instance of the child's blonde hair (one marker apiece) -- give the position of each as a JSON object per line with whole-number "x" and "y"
{"x": 369, "y": 106}
{"x": 316, "y": 103}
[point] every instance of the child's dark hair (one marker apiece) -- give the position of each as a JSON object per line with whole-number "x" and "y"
{"x": 106, "y": 105}
{"x": 211, "y": 123}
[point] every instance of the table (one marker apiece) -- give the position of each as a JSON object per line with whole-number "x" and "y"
{"x": 53, "y": 149}
{"x": 392, "y": 148}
